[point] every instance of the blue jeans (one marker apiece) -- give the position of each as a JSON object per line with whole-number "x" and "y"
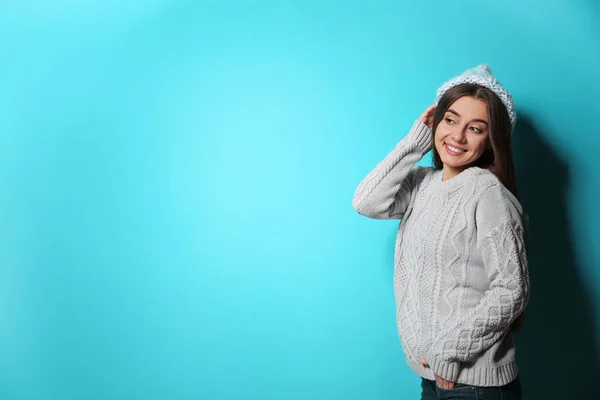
{"x": 510, "y": 391}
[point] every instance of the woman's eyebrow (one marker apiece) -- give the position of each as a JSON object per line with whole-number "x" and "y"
{"x": 475, "y": 120}
{"x": 480, "y": 120}
{"x": 453, "y": 112}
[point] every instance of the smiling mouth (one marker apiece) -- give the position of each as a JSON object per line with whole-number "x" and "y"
{"x": 453, "y": 151}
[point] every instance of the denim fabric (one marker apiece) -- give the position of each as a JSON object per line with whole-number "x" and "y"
{"x": 510, "y": 391}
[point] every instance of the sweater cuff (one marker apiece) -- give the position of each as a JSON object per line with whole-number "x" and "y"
{"x": 446, "y": 369}
{"x": 420, "y": 135}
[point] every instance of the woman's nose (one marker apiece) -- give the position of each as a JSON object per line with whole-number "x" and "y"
{"x": 459, "y": 136}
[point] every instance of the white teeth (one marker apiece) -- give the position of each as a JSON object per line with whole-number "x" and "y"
{"x": 454, "y": 149}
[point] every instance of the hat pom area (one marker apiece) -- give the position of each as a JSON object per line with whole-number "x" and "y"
{"x": 481, "y": 75}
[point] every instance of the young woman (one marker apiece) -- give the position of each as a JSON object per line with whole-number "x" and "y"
{"x": 461, "y": 281}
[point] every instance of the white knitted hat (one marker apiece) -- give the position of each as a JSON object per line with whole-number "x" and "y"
{"x": 481, "y": 75}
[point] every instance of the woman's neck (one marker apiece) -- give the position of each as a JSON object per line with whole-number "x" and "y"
{"x": 450, "y": 172}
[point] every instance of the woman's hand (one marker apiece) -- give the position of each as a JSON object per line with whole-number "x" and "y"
{"x": 427, "y": 117}
{"x": 441, "y": 382}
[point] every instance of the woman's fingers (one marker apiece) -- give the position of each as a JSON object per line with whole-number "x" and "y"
{"x": 439, "y": 382}
{"x": 428, "y": 111}
{"x": 431, "y": 110}
{"x": 443, "y": 383}
{"x": 427, "y": 116}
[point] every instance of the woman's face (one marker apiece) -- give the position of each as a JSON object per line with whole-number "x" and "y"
{"x": 462, "y": 135}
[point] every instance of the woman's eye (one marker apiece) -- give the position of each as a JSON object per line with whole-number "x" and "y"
{"x": 449, "y": 120}
{"x": 476, "y": 129}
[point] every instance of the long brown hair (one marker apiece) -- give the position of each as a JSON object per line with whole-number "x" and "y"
{"x": 499, "y": 157}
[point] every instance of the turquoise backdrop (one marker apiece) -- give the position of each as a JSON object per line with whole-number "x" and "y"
{"x": 177, "y": 178}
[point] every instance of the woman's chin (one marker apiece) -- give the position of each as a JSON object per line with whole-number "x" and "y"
{"x": 454, "y": 163}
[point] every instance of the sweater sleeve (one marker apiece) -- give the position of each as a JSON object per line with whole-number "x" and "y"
{"x": 505, "y": 260}
{"x": 386, "y": 191}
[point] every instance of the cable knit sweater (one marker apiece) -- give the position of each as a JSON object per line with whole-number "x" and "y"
{"x": 460, "y": 275}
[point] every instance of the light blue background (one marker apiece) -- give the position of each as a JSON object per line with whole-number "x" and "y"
{"x": 177, "y": 177}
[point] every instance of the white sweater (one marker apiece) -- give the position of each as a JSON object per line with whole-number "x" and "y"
{"x": 460, "y": 263}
